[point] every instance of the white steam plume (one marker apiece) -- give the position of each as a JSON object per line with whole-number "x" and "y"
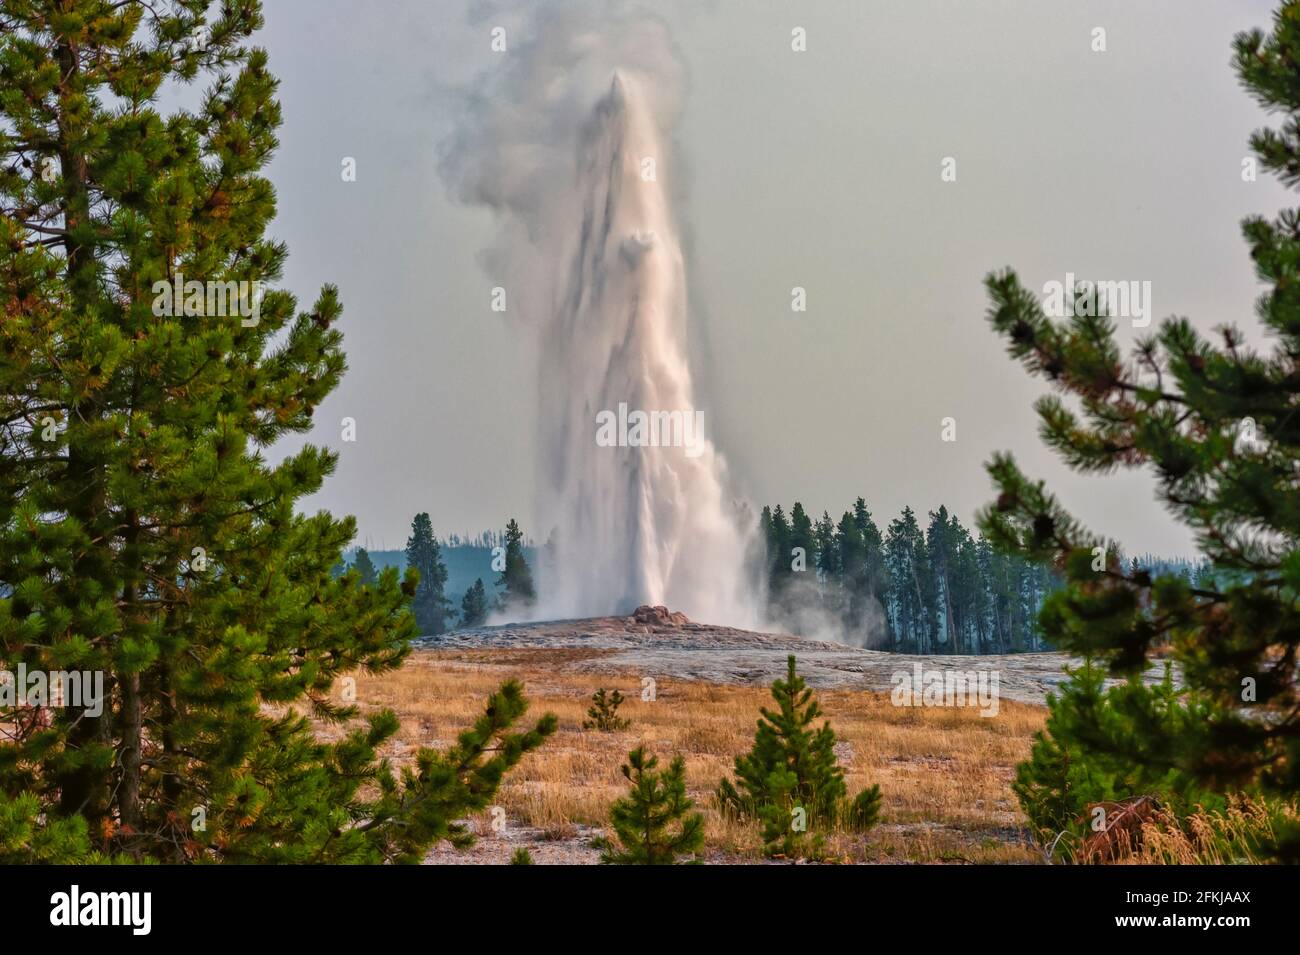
{"x": 556, "y": 142}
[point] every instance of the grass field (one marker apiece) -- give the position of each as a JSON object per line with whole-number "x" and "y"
{"x": 945, "y": 773}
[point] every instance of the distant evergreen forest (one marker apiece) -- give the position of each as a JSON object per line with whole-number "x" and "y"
{"x": 467, "y": 558}
{"x": 937, "y": 590}
{"x": 911, "y": 590}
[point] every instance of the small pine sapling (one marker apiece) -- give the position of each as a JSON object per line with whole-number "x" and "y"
{"x": 603, "y": 712}
{"x": 790, "y": 781}
{"x": 654, "y": 824}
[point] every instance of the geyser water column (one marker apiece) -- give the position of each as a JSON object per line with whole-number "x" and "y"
{"x": 642, "y": 524}
{"x": 569, "y": 143}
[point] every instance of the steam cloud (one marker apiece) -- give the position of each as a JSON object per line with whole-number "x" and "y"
{"x": 554, "y": 141}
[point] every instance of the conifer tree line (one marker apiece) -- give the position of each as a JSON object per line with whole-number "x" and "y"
{"x": 936, "y": 589}
{"x": 435, "y": 612}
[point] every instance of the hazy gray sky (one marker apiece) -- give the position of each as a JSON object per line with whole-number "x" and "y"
{"x": 818, "y": 169}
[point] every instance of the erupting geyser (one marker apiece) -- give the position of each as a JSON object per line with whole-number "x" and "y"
{"x": 571, "y": 146}
{"x": 644, "y": 524}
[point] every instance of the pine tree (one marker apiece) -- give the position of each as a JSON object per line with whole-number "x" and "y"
{"x": 1070, "y": 770}
{"x": 969, "y": 593}
{"x": 851, "y": 549}
{"x": 1215, "y": 424}
{"x": 474, "y": 605}
{"x": 802, "y": 536}
{"x": 143, "y": 533}
{"x": 517, "y": 579}
{"x": 778, "y": 558}
{"x": 603, "y": 713}
{"x": 828, "y": 564}
{"x": 851, "y": 558}
{"x": 765, "y": 528}
{"x": 992, "y": 639}
{"x": 870, "y": 588}
{"x": 828, "y": 568}
{"x": 424, "y": 555}
{"x": 939, "y": 549}
{"x": 653, "y": 824}
{"x": 909, "y": 575}
{"x": 863, "y": 812}
{"x": 790, "y": 778}
{"x": 365, "y": 568}
{"x": 956, "y": 586}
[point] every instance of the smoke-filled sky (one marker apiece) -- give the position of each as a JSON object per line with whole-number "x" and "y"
{"x": 818, "y": 169}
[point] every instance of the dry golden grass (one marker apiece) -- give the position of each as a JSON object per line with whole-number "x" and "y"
{"x": 945, "y": 773}
{"x": 1228, "y": 837}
